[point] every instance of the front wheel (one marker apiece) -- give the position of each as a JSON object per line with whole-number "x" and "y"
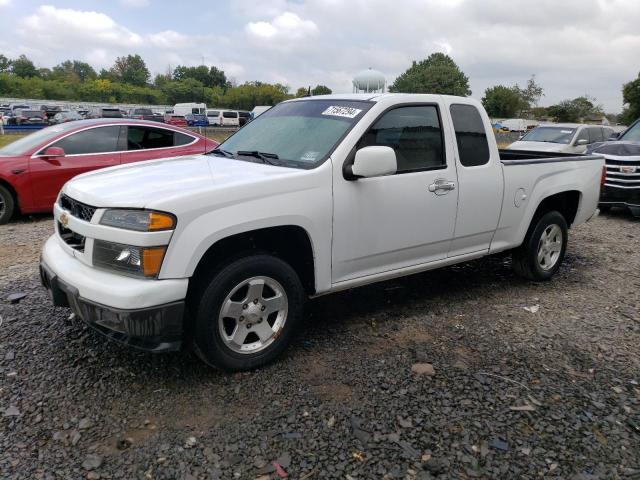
{"x": 7, "y": 205}
{"x": 247, "y": 313}
{"x": 541, "y": 254}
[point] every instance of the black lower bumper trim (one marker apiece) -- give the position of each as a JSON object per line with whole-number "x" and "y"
{"x": 620, "y": 197}
{"x": 154, "y": 329}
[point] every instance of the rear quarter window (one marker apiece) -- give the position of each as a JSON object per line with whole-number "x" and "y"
{"x": 471, "y": 136}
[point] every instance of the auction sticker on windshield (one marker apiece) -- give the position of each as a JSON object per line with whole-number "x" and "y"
{"x": 348, "y": 112}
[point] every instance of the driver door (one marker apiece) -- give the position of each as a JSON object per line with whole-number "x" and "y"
{"x": 85, "y": 150}
{"x": 392, "y": 222}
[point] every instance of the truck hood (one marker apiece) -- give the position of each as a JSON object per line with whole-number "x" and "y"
{"x": 624, "y": 150}
{"x": 537, "y": 146}
{"x": 159, "y": 182}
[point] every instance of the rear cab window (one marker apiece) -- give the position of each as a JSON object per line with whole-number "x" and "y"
{"x": 471, "y": 136}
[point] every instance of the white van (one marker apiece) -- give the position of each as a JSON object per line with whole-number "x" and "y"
{"x": 187, "y": 108}
{"x": 259, "y": 110}
{"x": 223, "y": 118}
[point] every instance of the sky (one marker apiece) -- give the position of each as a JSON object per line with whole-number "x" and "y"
{"x": 574, "y": 47}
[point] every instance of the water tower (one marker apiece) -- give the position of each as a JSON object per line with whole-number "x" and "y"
{"x": 369, "y": 81}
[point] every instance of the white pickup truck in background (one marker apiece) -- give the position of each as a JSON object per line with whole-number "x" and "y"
{"x": 316, "y": 195}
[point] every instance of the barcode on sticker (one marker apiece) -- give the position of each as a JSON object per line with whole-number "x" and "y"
{"x": 348, "y": 112}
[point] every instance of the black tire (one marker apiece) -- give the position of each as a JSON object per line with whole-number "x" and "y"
{"x": 7, "y": 205}
{"x": 208, "y": 340}
{"x": 605, "y": 208}
{"x": 525, "y": 258}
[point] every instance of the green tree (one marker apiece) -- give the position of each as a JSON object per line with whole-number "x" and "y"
{"x": 631, "y": 99}
{"x": 532, "y": 93}
{"x": 74, "y": 71}
{"x": 131, "y": 69}
{"x": 501, "y": 101}
{"x": 209, "y": 77}
{"x": 575, "y": 110}
{"x": 321, "y": 90}
{"x": 301, "y": 92}
{"x": 23, "y": 67}
{"x": 5, "y": 64}
{"x": 437, "y": 74}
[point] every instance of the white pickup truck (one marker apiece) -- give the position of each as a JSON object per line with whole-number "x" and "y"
{"x": 316, "y": 195}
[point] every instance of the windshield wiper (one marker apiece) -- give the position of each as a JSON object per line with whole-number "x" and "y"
{"x": 223, "y": 152}
{"x": 264, "y": 156}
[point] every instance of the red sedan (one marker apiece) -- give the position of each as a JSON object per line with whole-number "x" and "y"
{"x": 34, "y": 168}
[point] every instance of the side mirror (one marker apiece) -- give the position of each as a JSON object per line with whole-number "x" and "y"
{"x": 53, "y": 152}
{"x": 582, "y": 141}
{"x": 614, "y": 136}
{"x": 373, "y": 161}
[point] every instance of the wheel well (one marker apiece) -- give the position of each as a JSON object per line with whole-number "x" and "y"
{"x": 288, "y": 242}
{"x": 12, "y": 191}
{"x": 565, "y": 202}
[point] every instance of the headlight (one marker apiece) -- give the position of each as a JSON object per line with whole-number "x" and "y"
{"x": 139, "y": 220}
{"x": 128, "y": 259}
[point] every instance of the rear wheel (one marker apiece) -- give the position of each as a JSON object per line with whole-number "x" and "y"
{"x": 7, "y": 205}
{"x": 541, "y": 254}
{"x": 247, "y": 313}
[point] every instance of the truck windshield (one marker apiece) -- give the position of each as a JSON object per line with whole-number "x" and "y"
{"x": 633, "y": 134}
{"x": 302, "y": 133}
{"x": 550, "y": 134}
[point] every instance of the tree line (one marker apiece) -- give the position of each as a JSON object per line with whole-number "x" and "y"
{"x": 129, "y": 81}
{"x": 439, "y": 74}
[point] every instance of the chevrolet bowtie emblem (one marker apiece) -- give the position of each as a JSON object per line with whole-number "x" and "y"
{"x": 64, "y": 220}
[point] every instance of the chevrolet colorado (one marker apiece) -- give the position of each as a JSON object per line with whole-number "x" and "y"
{"x": 316, "y": 195}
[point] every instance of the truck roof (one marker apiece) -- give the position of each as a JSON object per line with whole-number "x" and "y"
{"x": 377, "y": 97}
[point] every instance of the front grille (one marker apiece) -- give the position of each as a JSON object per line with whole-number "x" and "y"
{"x": 77, "y": 209}
{"x": 617, "y": 177}
{"x": 71, "y": 238}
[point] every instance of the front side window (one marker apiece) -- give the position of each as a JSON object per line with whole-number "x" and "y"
{"x": 415, "y": 135}
{"x": 94, "y": 140}
{"x": 582, "y": 135}
{"x": 300, "y": 133}
{"x": 142, "y": 138}
{"x": 471, "y": 136}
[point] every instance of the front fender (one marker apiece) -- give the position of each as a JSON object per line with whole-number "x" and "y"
{"x": 309, "y": 208}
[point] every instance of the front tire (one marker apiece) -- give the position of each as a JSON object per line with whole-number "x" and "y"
{"x": 7, "y": 205}
{"x": 542, "y": 252}
{"x": 247, "y": 313}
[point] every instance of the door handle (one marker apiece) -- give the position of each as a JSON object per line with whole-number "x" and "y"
{"x": 441, "y": 186}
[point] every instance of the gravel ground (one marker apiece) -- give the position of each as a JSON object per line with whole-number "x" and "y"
{"x": 550, "y": 391}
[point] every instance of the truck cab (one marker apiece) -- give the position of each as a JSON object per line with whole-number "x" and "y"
{"x": 316, "y": 195}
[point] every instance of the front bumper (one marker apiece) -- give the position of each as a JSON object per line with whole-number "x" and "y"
{"x": 141, "y": 323}
{"x": 620, "y": 197}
